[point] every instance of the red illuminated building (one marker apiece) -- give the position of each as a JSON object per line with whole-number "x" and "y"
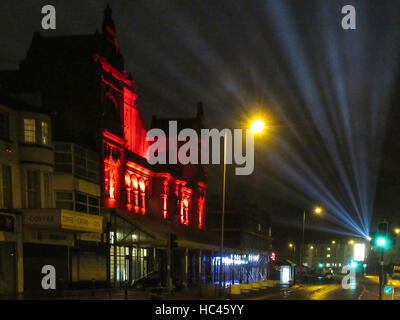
{"x": 100, "y": 167}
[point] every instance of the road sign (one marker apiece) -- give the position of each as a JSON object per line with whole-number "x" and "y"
{"x": 388, "y": 290}
{"x": 388, "y": 293}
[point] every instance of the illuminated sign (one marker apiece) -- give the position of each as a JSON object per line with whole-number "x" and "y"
{"x": 285, "y": 274}
{"x": 359, "y": 252}
{"x": 65, "y": 219}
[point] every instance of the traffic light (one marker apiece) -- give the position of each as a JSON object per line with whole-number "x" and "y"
{"x": 320, "y": 265}
{"x": 382, "y": 239}
{"x": 383, "y": 228}
{"x": 273, "y": 256}
{"x": 382, "y": 242}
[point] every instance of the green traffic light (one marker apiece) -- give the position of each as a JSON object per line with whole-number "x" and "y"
{"x": 382, "y": 242}
{"x": 320, "y": 265}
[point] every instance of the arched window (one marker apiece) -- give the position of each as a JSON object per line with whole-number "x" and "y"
{"x": 142, "y": 188}
{"x": 135, "y": 186}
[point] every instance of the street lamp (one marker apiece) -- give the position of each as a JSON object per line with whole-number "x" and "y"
{"x": 397, "y": 230}
{"x": 293, "y": 249}
{"x": 257, "y": 126}
{"x": 318, "y": 211}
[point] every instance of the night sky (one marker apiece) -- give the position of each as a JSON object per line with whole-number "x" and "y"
{"x": 327, "y": 93}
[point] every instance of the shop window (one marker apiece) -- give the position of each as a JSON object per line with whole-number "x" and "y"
{"x": 33, "y": 189}
{"x": 63, "y": 157}
{"x": 86, "y": 203}
{"x": 74, "y": 159}
{"x": 4, "y": 126}
{"x": 45, "y": 133}
{"x": 64, "y": 200}
{"x": 48, "y": 194}
{"x": 30, "y": 130}
{"x": 7, "y": 187}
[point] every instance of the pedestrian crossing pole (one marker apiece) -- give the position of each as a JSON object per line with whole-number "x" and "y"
{"x": 381, "y": 275}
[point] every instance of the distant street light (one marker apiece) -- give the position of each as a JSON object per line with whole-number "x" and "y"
{"x": 318, "y": 211}
{"x": 351, "y": 242}
{"x": 397, "y": 230}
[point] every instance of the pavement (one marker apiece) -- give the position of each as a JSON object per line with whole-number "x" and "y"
{"x": 365, "y": 288}
{"x": 130, "y": 294}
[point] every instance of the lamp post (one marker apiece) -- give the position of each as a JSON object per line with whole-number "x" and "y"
{"x": 292, "y": 247}
{"x": 257, "y": 126}
{"x": 317, "y": 210}
{"x": 222, "y": 218}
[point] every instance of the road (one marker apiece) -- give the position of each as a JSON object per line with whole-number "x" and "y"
{"x": 365, "y": 288}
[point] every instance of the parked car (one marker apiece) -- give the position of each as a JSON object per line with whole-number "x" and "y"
{"x": 154, "y": 280}
{"x": 329, "y": 276}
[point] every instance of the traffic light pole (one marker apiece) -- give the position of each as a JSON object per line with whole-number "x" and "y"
{"x": 169, "y": 253}
{"x": 381, "y": 278}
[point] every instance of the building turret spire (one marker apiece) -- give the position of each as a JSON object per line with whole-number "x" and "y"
{"x": 108, "y": 27}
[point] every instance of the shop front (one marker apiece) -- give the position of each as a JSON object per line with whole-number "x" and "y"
{"x": 133, "y": 252}
{"x": 10, "y": 255}
{"x": 240, "y": 268}
{"x": 51, "y": 237}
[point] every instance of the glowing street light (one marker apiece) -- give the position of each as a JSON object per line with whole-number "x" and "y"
{"x": 317, "y": 210}
{"x": 397, "y": 230}
{"x": 257, "y": 126}
{"x": 351, "y": 242}
{"x": 333, "y": 241}
{"x": 290, "y": 245}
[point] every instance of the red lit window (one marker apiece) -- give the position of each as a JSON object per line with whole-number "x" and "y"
{"x": 164, "y": 198}
{"x": 142, "y": 187}
{"x": 200, "y": 204}
{"x": 112, "y": 165}
{"x": 135, "y": 187}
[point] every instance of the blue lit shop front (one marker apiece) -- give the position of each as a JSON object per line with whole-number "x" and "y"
{"x": 239, "y": 268}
